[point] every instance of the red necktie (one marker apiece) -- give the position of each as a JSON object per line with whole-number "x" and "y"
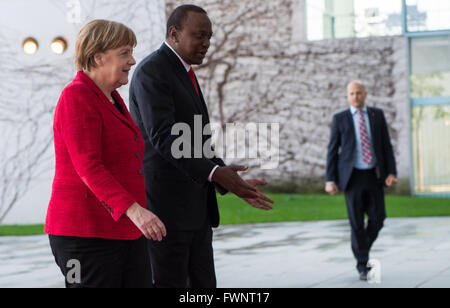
{"x": 365, "y": 144}
{"x": 192, "y": 75}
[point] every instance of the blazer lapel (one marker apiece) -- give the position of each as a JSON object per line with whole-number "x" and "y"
{"x": 105, "y": 102}
{"x": 371, "y": 116}
{"x": 352, "y": 126}
{"x": 202, "y": 101}
{"x": 125, "y": 116}
{"x": 183, "y": 76}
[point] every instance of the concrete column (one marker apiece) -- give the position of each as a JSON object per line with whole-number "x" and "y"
{"x": 299, "y": 24}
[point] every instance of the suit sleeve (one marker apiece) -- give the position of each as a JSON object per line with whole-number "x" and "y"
{"x": 388, "y": 152}
{"x": 219, "y": 188}
{"x": 80, "y": 126}
{"x": 332, "y": 155}
{"x": 152, "y": 93}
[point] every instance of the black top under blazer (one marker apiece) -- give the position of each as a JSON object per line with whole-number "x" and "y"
{"x": 342, "y": 147}
{"x": 178, "y": 190}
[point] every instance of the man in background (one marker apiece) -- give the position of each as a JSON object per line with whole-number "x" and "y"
{"x": 360, "y": 161}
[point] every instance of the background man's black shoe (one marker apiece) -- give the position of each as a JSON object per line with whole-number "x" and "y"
{"x": 363, "y": 275}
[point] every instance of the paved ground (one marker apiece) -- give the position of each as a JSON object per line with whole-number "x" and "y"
{"x": 412, "y": 253}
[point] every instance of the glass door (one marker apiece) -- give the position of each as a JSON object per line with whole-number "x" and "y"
{"x": 430, "y": 109}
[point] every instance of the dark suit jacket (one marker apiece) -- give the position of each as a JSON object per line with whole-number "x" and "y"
{"x": 178, "y": 190}
{"x": 342, "y": 147}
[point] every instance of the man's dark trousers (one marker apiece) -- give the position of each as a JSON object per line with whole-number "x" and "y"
{"x": 365, "y": 195}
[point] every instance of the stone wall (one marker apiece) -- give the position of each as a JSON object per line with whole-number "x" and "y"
{"x": 257, "y": 71}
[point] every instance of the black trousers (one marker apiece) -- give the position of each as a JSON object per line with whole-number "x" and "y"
{"x": 364, "y": 195}
{"x": 103, "y": 263}
{"x": 184, "y": 259}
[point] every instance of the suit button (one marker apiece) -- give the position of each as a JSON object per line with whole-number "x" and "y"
{"x": 140, "y": 171}
{"x": 136, "y": 138}
{"x": 137, "y": 155}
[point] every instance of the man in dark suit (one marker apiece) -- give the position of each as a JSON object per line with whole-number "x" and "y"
{"x": 360, "y": 162}
{"x": 164, "y": 93}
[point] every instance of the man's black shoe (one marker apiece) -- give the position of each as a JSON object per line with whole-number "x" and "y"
{"x": 363, "y": 275}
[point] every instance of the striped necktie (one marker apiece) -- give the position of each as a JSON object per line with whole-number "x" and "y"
{"x": 365, "y": 142}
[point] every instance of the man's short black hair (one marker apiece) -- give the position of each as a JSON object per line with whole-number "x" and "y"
{"x": 179, "y": 15}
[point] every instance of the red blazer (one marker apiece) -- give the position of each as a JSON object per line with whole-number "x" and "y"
{"x": 98, "y": 174}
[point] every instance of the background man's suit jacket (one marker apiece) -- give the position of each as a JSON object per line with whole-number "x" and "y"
{"x": 342, "y": 147}
{"x": 178, "y": 190}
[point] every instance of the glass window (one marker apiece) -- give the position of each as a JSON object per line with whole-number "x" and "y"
{"x": 430, "y": 67}
{"x": 431, "y": 141}
{"x": 428, "y": 15}
{"x": 430, "y": 90}
{"x": 378, "y": 17}
{"x": 315, "y": 11}
{"x": 363, "y": 18}
{"x": 350, "y": 18}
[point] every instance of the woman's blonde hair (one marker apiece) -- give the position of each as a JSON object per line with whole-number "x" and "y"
{"x": 99, "y": 36}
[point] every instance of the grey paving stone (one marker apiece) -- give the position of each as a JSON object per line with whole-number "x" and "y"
{"x": 413, "y": 253}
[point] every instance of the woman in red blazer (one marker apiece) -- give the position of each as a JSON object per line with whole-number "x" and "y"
{"x": 96, "y": 218}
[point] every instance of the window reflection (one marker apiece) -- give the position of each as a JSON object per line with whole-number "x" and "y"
{"x": 428, "y": 15}
{"x": 327, "y": 19}
{"x": 431, "y": 144}
{"x": 430, "y": 67}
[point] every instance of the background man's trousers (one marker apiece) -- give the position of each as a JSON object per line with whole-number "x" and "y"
{"x": 364, "y": 195}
